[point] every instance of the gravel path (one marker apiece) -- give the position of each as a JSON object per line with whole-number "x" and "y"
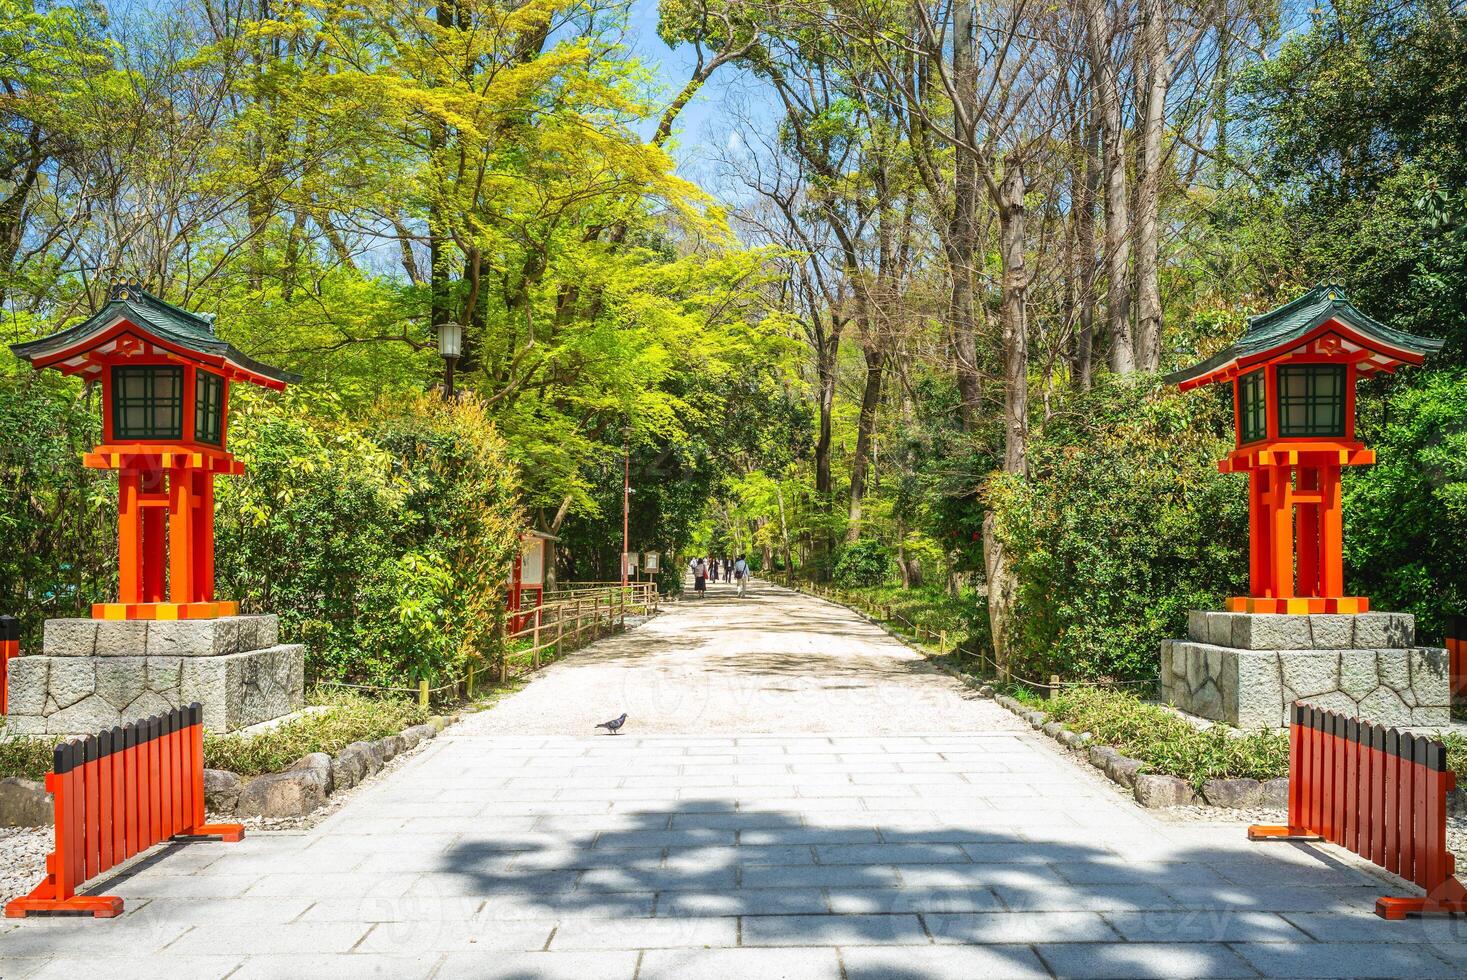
{"x": 775, "y": 661}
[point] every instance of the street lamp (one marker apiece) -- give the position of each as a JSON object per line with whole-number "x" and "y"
{"x": 450, "y": 346}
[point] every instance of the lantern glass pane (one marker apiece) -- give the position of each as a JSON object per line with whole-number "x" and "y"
{"x": 1255, "y": 408}
{"x": 1311, "y": 400}
{"x": 147, "y": 402}
{"x": 208, "y": 408}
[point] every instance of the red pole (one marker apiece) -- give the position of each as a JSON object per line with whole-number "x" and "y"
{"x": 626, "y": 507}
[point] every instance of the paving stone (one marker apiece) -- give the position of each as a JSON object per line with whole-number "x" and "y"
{"x": 1131, "y": 961}
{"x": 490, "y": 965}
{"x": 747, "y": 901}
{"x": 661, "y": 933}
{"x": 1343, "y": 960}
{"x": 832, "y": 930}
{"x": 297, "y": 937}
{"x": 724, "y": 964}
{"x": 327, "y": 967}
{"x": 1204, "y": 925}
{"x": 133, "y": 968}
{"x": 940, "y": 963}
{"x": 1027, "y": 927}
{"x": 891, "y": 854}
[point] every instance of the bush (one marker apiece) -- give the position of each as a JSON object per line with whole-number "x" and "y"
{"x": 24, "y": 756}
{"x": 1406, "y": 516}
{"x": 863, "y": 563}
{"x": 1122, "y": 526}
{"x": 1167, "y": 743}
{"x": 345, "y": 718}
{"x": 57, "y": 518}
{"x": 382, "y": 543}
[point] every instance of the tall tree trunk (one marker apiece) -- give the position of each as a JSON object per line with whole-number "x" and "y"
{"x": 865, "y": 429}
{"x": 1002, "y": 583}
{"x": 825, "y": 355}
{"x": 1155, "y": 41}
{"x": 962, "y": 239}
{"x": 1087, "y": 192}
{"x": 1117, "y": 204}
{"x": 1013, "y": 230}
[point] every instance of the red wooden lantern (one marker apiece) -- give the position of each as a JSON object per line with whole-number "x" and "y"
{"x": 165, "y": 400}
{"x": 1293, "y": 375}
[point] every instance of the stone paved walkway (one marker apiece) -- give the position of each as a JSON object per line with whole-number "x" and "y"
{"x": 980, "y": 852}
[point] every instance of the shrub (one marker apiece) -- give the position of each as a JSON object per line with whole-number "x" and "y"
{"x": 1406, "y": 516}
{"x": 383, "y": 544}
{"x": 1122, "y": 525}
{"x": 343, "y": 719}
{"x": 57, "y": 518}
{"x": 1167, "y": 743}
{"x": 25, "y": 756}
{"x": 862, "y": 563}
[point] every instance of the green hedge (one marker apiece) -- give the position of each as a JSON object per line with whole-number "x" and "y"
{"x": 1122, "y": 526}
{"x": 382, "y": 540}
{"x": 1166, "y": 743}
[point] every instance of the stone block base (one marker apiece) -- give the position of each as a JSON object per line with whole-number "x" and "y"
{"x": 1248, "y": 669}
{"x": 95, "y": 674}
{"x": 82, "y": 695}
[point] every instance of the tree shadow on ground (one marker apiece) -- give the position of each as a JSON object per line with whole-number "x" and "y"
{"x": 681, "y": 875}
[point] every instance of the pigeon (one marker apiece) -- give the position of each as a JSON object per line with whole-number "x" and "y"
{"x": 614, "y": 724}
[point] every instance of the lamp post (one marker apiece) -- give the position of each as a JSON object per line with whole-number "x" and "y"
{"x": 450, "y": 346}
{"x": 626, "y": 507}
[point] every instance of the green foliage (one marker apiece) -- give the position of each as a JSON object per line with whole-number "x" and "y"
{"x": 25, "y": 757}
{"x": 1122, "y": 526}
{"x": 1406, "y": 516}
{"x": 382, "y": 542}
{"x": 1167, "y": 743}
{"x": 343, "y": 718}
{"x": 864, "y": 562}
{"x": 57, "y": 518}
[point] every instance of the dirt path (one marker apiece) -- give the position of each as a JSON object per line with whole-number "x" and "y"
{"x": 775, "y": 661}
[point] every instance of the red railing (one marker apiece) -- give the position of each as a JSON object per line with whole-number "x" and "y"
{"x": 1379, "y": 792}
{"x": 1457, "y": 654}
{"x": 9, "y": 648}
{"x": 117, "y": 794}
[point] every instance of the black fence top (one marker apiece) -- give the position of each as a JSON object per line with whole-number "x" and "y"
{"x": 9, "y": 629}
{"x": 1422, "y": 750}
{"x": 79, "y": 751}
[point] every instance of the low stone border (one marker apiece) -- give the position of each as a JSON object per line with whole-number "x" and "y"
{"x": 304, "y": 787}
{"x": 1150, "y": 789}
{"x": 296, "y": 792}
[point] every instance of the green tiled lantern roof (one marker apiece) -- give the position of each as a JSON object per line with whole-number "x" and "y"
{"x": 1280, "y": 328}
{"x": 173, "y": 324}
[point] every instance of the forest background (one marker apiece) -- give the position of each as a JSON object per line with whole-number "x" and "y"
{"x": 873, "y": 291}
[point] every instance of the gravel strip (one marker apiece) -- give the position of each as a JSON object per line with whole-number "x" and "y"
{"x": 23, "y": 853}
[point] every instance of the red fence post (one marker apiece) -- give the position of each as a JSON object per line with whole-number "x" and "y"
{"x": 116, "y": 794}
{"x": 1379, "y": 792}
{"x": 9, "y": 648}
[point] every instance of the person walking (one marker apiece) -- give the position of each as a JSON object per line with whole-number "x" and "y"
{"x": 741, "y": 572}
{"x": 700, "y": 577}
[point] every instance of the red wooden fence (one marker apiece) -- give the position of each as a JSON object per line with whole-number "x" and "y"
{"x": 1379, "y": 792}
{"x": 1457, "y": 654}
{"x": 9, "y": 647}
{"x": 116, "y": 794}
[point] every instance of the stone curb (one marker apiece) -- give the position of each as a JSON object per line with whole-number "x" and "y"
{"x": 307, "y": 783}
{"x": 1151, "y": 790}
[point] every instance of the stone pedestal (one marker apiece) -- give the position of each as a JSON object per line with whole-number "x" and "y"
{"x": 1246, "y": 669}
{"x": 93, "y": 674}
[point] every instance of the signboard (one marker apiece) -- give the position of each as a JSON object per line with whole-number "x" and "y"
{"x": 532, "y": 562}
{"x": 651, "y": 560}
